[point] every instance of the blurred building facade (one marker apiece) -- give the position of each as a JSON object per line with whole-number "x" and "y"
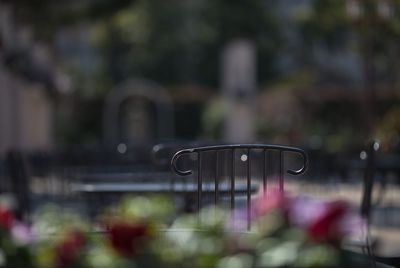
{"x": 27, "y": 76}
{"x": 25, "y": 115}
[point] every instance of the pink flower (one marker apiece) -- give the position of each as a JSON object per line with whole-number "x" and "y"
{"x": 238, "y": 220}
{"x": 21, "y": 234}
{"x": 270, "y": 201}
{"x": 354, "y": 226}
{"x": 305, "y": 210}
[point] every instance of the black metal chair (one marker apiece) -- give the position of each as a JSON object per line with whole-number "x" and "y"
{"x": 231, "y": 170}
{"x": 367, "y": 204}
{"x": 19, "y": 181}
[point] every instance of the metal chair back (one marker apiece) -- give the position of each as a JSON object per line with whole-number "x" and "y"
{"x": 223, "y": 161}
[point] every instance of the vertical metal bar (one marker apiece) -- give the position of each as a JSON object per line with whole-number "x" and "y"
{"x": 199, "y": 180}
{"x": 280, "y": 171}
{"x": 172, "y": 185}
{"x": 184, "y": 182}
{"x": 368, "y": 183}
{"x": 264, "y": 171}
{"x": 216, "y": 182}
{"x": 232, "y": 190}
{"x": 248, "y": 189}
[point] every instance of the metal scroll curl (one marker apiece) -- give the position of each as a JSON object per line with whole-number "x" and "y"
{"x": 174, "y": 161}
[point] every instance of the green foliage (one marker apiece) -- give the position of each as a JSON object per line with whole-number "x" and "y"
{"x": 180, "y": 41}
{"x": 47, "y": 16}
{"x": 388, "y": 129}
{"x": 373, "y": 35}
{"x": 327, "y": 23}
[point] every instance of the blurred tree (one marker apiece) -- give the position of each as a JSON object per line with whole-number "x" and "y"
{"x": 47, "y": 16}
{"x": 172, "y": 42}
{"x": 327, "y": 23}
{"x": 371, "y": 28}
{"x": 388, "y": 130}
{"x": 180, "y": 41}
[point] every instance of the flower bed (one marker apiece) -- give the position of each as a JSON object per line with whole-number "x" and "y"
{"x": 145, "y": 232}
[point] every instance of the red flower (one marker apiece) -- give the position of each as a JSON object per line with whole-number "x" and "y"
{"x": 125, "y": 238}
{"x": 6, "y": 218}
{"x": 326, "y": 228}
{"x": 68, "y": 250}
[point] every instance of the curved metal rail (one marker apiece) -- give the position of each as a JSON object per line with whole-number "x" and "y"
{"x": 265, "y": 147}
